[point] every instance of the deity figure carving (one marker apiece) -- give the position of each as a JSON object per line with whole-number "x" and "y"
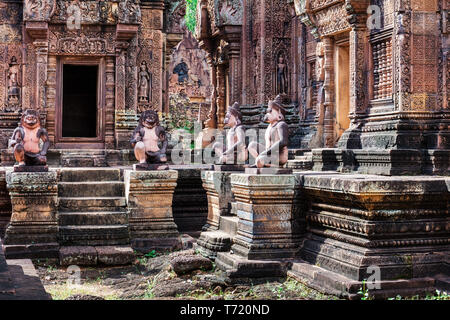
{"x": 320, "y": 61}
{"x": 26, "y": 140}
{"x": 182, "y": 71}
{"x": 39, "y": 9}
{"x": 13, "y": 86}
{"x": 275, "y": 152}
{"x": 129, "y": 11}
{"x": 282, "y": 75}
{"x": 320, "y": 76}
{"x": 145, "y": 83}
{"x": 146, "y": 138}
{"x": 236, "y": 152}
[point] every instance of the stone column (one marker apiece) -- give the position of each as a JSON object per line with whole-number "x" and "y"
{"x": 149, "y": 198}
{"x": 33, "y": 229}
{"x": 266, "y": 230}
{"x": 218, "y": 189}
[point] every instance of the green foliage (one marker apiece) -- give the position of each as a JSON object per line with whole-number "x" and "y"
{"x": 191, "y": 15}
{"x": 151, "y": 254}
{"x": 438, "y": 295}
{"x": 364, "y": 292}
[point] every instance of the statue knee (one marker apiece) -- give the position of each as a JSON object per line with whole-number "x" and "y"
{"x": 42, "y": 160}
{"x": 253, "y": 145}
{"x": 19, "y": 148}
{"x": 140, "y": 146}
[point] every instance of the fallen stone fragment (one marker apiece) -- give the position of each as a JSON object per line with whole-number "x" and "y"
{"x": 187, "y": 263}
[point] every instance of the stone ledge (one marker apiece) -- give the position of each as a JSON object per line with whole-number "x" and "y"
{"x": 333, "y": 283}
{"x": 91, "y": 256}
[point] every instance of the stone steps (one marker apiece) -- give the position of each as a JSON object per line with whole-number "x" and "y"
{"x": 302, "y": 162}
{"x": 93, "y": 218}
{"x": 90, "y": 175}
{"x": 84, "y": 158}
{"x": 92, "y": 207}
{"x": 94, "y": 235}
{"x": 91, "y": 189}
{"x": 91, "y": 204}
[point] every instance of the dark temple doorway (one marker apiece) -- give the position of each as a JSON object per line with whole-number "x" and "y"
{"x": 79, "y": 101}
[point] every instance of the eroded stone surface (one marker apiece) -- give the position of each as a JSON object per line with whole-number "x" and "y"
{"x": 187, "y": 263}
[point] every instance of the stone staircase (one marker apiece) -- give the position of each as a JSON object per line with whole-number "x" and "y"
{"x": 302, "y": 161}
{"x": 214, "y": 241}
{"x": 92, "y": 207}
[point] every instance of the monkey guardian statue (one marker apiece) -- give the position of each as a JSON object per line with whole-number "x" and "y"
{"x": 146, "y": 137}
{"x": 237, "y": 151}
{"x": 26, "y": 139}
{"x": 275, "y": 152}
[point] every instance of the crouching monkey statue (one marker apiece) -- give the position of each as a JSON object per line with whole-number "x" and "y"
{"x": 26, "y": 140}
{"x": 275, "y": 152}
{"x": 146, "y": 138}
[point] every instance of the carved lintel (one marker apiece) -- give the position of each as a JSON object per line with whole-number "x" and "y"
{"x": 126, "y": 32}
{"x": 37, "y": 29}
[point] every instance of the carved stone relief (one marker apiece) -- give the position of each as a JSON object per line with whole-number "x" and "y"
{"x": 38, "y": 10}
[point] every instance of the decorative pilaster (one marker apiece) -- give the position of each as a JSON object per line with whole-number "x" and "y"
{"x": 33, "y": 228}
{"x": 328, "y": 131}
{"x": 221, "y": 96}
{"x": 51, "y": 97}
{"x": 109, "y": 102}
{"x": 358, "y": 78}
{"x": 149, "y": 197}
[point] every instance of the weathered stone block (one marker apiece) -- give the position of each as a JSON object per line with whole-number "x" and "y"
{"x": 34, "y": 207}
{"x": 187, "y": 263}
{"x": 266, "y": 229}
{"x": 149, "y": 197}
{"x": 218, "y": 189}
{"x": 115, "y": 255}
{"x": 80, "y": 255}
{"x": 397, "y": 224}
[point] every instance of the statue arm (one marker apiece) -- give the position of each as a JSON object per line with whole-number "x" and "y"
{"x": 42, "y": 134}
{"x": 16, "y": 137}
{"x": 240, "y": 133}
{"x": 163, "y": 138}
{"x": 137, "y": 136}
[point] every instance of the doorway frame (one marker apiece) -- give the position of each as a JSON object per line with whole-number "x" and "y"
{"x": 97, "y": 142}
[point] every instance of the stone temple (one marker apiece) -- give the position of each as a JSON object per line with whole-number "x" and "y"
{"x": 365, "y": 96}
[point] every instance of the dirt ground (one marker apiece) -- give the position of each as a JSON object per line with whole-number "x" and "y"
{"x": 151, "y": 277}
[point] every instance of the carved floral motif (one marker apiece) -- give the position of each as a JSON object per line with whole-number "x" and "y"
{"x": 68, "y": 43}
